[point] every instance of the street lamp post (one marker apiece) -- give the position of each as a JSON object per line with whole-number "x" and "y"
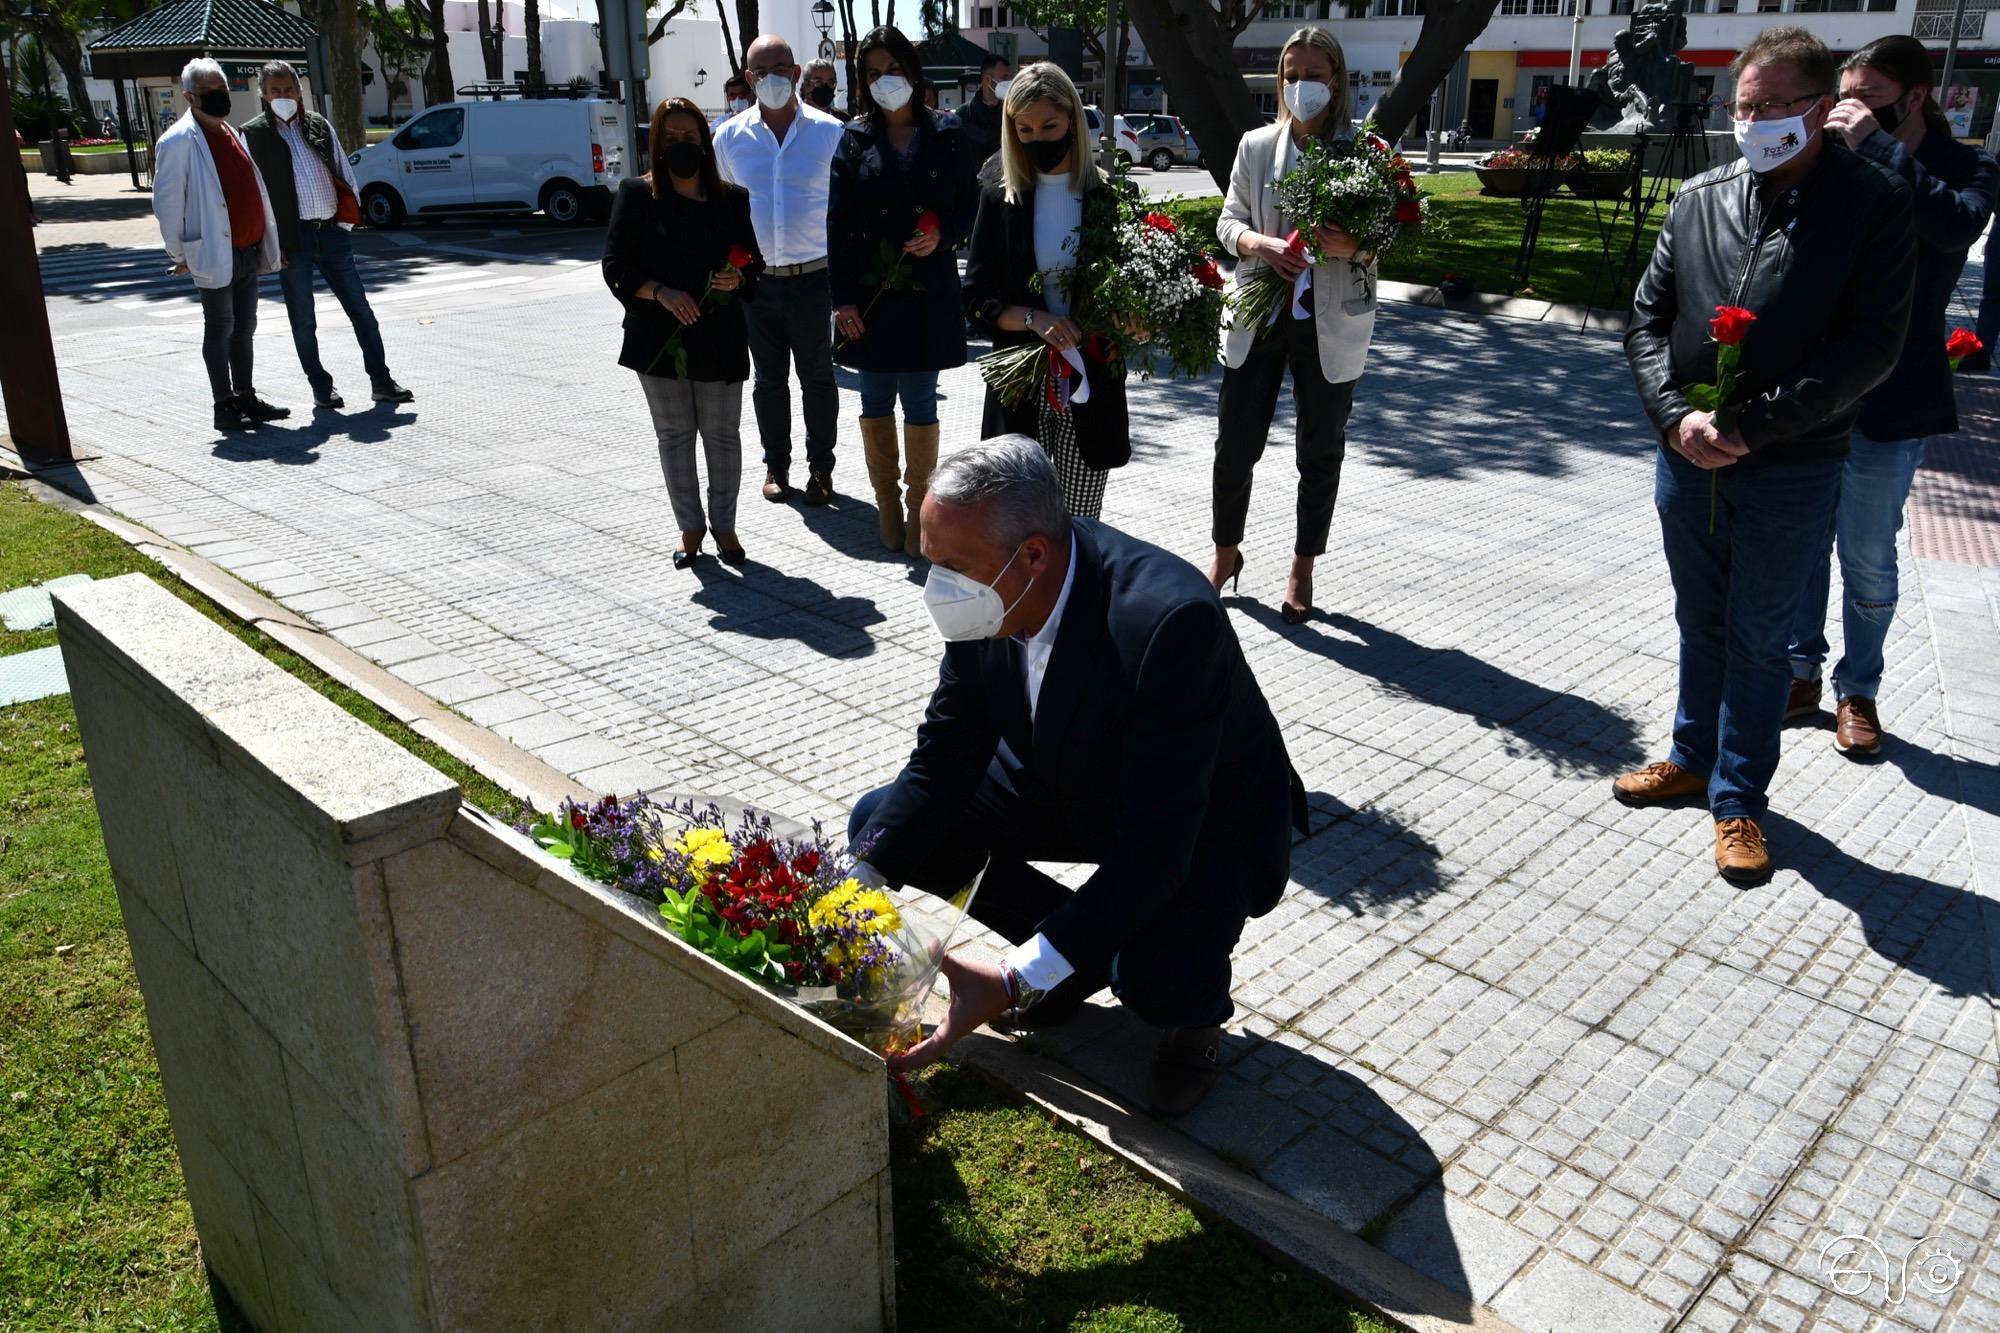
{"x": 822, "y": 12}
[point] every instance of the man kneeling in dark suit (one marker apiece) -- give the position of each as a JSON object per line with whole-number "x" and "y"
{"x": 1094, "y": 707}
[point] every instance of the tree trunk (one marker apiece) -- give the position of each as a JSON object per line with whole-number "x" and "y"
{"x": 342, "y": 29}
{"x": 439, "y": 87}
{"x": 728, "y": 42}
{"x": 492, "y": 40}
{"x": 531, "y": 19}
{"x": 850, "y": 38}
{"x": 1194, "y": 60}
{"x": 1449, "y": 27}
{"x": 66, "y": 50}
{"x": 746, "y": 25}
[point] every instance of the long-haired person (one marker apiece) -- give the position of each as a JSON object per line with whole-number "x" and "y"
{"x": 1888, "y": 113}
{"x": 667, "y": 257}
{"x": 1325, "y": 348}
{"x": 897, "y": 311}
{"x": 1032, "y": 223}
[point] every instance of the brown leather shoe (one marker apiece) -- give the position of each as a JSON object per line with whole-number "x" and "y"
{"x": 819, "y": 487}
{"x": 1740, "y": 854}
{"x": 777, "y": 486}
{"x": 1183, "y": 1070}
{"x": 1656, "y": 784}
{"x": 1804, "y": 701}
{"x": 1857, "y": 731}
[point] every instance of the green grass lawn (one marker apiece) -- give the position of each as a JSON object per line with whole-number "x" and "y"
{"x": 1004, "y": 1220}
{"x": 1478, "y": 238}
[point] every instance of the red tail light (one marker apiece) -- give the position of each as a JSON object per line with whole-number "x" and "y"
{"x": 597, "y": 158}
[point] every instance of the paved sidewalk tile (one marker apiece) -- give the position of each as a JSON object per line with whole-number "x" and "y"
{"x": 1518, "y": 1034}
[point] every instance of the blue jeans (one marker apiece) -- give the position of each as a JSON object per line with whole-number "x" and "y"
{"x": 331, "y": 251}
{"x": 1736, "y": 595}
{"x": 1873, "y": 486}
{"x": 917, "y": 387}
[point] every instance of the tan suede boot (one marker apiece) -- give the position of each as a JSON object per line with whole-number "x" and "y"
{"x": 920, "y": 445}
{"x": 878, "y": 445}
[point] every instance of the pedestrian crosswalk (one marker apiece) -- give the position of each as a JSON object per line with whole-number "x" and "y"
{"x": 137, "y": 280}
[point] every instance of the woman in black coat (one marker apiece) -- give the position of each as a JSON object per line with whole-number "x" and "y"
{"x": 1029, "y": 224}
{"x": 897, "y": 182}
{"x": 681, "y": 255}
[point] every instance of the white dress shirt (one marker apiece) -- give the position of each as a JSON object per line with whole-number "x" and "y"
{"x": 788, "y": 180}
{"x": 1040, "y": 966}
{"x": 317, "y": 199}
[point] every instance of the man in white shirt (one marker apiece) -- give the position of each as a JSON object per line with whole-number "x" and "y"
{"x": 314, "y": 201}
{"x": 783, "y": 155}
{"x": 1093, "y": 707}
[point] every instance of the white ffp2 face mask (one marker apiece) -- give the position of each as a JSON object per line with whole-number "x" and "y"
{"x": 891, "y": 92}
{"x": 774, "y": 91}
{"x": 1307, "y": 98}
{"x": 739, "y": 104}
{"x": 285, "y": 108}
{"x": 1771, "y": 143}
{"x": 964, "y": 608}
{"x": 1000, "y": 89}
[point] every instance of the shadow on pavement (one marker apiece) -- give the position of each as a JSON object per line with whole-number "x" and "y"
{"x": 124, "y": 207}
{"x": 1568, "y": 731}
{"x": 1364, "y": 859}
{"x": 763, "y": 603}
{"x": 1954, "y": 779}
{"x": 1932, "y": 930}
{"x": 281, "y": 442}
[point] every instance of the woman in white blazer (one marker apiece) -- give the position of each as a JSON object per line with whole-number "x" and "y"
{"x": 192, "y": 208}
{"x": 1326, "y": 349}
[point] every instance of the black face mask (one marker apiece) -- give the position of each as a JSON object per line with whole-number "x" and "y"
{"x": 821, "y": 96}
{"x": 1047, "y": 154}
{"x": 1888, "y": 117}
{"x": 683, "y": 159}
{"x": 215, "y": 102}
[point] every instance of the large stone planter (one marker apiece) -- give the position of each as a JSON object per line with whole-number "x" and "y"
{"x": 1506, "y": 182}
{"x": 419, "y": 1076}
{"x": 86, "y": 164}
{"x": 1599, "y": 184}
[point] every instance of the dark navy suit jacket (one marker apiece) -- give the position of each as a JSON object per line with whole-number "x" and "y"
{"x": 1152, "y": 746}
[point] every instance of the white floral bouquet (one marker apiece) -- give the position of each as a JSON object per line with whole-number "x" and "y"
{"x": 1360, "y": 185}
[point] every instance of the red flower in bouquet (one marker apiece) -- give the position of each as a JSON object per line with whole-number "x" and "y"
{"x": 1161, "y": 222}
{"x": 739, "y": 258}
{"x": 1730, "y": 324}
{"x": 1409, "y": 210}
{"x": 928, "y": 223}
{"x": 1961, "y": 344}
{"x": 1207, "y": 274}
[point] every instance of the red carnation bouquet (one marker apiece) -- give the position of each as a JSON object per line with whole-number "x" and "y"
{"x": 1143, "y": 292}
{"x": 1360, "y": 185}
{"x": 739, "y": 259}
{"x": 1961, "y": 344}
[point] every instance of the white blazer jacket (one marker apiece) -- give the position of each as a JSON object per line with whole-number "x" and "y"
{"x": 193, "y": 215}
{"x": 1343, "y": 304}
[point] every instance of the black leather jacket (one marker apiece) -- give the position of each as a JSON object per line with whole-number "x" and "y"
{"x": 1827, "y": 265}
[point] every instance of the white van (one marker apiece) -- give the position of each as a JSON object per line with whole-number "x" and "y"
{"x": 515, "y": 155}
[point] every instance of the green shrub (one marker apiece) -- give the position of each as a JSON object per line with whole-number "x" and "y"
{"x": 1608, "y": 159}
{"x": 1197, "y": 217}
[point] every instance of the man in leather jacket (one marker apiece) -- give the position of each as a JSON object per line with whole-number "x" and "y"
{"x": 1819, "y": 245}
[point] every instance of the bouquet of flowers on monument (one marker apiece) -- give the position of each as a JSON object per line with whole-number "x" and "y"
{"x": 1360, "y": 185}
{"x": 786, "y": 912}
{"x": 1143, "y": 292}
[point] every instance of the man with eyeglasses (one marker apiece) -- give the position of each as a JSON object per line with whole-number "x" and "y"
{"x": 781, "y": 151}
{"x": 1819, "y": 245}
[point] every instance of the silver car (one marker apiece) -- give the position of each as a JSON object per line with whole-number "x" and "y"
{"x": 1163, "y": 143}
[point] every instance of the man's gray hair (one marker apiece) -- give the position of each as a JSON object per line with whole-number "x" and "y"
{"x": 820, "y": 65}
{"x": 273, "y": 69}
{"x": 198, "y": 69}
{"x": 1015, "y": 475}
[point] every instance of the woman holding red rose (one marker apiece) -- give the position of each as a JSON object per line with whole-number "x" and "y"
{"x": 896, "y": 317}
{"x": 681, "y": 256}
{"x": 1322, "y": 337}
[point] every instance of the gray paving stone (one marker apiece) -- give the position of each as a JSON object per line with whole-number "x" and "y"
{"x": 1466, "y": 1249}
{"x": 1560, "y": 1293}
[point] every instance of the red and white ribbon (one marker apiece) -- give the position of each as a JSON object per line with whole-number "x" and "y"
{"x": 1067, "y": 382}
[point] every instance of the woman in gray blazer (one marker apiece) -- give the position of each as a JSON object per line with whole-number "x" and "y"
{"x": 1325, "y": 348}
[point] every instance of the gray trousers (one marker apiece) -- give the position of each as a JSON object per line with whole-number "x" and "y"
{"x": 229, "y": 329}
{"x": 714, "y": 408}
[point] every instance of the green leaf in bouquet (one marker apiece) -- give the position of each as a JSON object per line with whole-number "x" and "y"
{"x": 1702, "y": 397}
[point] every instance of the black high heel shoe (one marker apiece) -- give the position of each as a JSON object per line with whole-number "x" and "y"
{"x": 686, "y": 559}
{"x": 734, "y": 556}
{"x": 1296, "y": 615}
{"x": 1235, "y": 576}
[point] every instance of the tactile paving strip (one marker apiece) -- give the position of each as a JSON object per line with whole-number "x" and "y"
{"x": 1954, "y": 508}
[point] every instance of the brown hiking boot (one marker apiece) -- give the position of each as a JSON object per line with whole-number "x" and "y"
{"x": 1857, "y": 731}
{"x": 777, "y": 486}
{"x": 1656, "y": 784}
{"x": 1804, "y": 701}
{"x": 1740, "y": 854}
{"x": 819, "y": 487}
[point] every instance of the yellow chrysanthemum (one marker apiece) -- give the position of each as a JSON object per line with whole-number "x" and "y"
{"x": 870, "y": 911}
{"x": 706, "y": 849}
